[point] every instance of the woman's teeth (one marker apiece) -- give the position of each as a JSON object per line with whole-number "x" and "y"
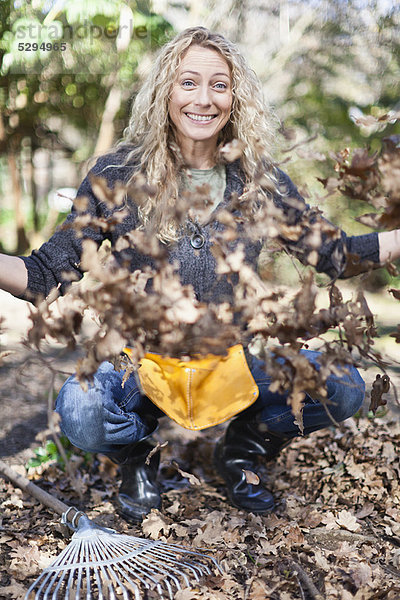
{"x": 200, "y": 117}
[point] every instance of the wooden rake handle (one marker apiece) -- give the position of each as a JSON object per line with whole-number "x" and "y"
{"x": 33, "y": 490}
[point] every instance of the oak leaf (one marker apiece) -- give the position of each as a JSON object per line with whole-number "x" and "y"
{"x": 347, "y": 521}
{"x": 380, "y": 386}
{"x": 153, "y": 524}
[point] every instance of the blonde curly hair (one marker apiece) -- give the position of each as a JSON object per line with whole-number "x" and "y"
{"x": 150, "y": 137}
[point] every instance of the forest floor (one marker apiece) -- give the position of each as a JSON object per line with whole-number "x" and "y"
{"x": 335, "y": 533}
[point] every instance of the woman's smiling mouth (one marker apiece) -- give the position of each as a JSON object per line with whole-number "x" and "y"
{"x": 200, "y": 118}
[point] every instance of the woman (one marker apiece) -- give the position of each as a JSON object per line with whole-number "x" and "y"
{"x": 199, "y": 95}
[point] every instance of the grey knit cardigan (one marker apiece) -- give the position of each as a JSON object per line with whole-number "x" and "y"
{"x": 61, "y": 254}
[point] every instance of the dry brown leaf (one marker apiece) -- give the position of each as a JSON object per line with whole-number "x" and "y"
{"x": 97, "y": 496}
{"x": 251, "y": 477}
{"x": 357, "y": 471}
{"x": 321, "y": 560}
{"x": 154, "y": 524}
{"x": 330, "y": 521}
{"x": 154, "y": 450}
{"x": 362, "y": 574}
{"x": 389, "y": 452}
{"x": 365, "y": 511}
{"x": 212, "y": 531}
{"x": 232, "y": 150}
{"x": 13, "y": 500}
{"x": 193, "y": 480}
{"x": 380, "y": 386}
{"x": 174, "y": 508}
{"x": 5, "y": 538}
{"x": 347, "y": 521}
{"x": 107, "y": 468}
{"x": 294, "y": 535}
{"x": 24, "y": 561}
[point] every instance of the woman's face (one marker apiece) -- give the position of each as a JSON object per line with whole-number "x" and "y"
{"x": 201, "y": 97}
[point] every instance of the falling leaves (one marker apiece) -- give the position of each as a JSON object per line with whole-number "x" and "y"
{"x": 232, "y": 150}
{"x": 380, "y": 386}
{"x": 396, "y": 334}
{"x": 372, "y": 178}
{"x": 151, "y": 309}
{"x": 154, "y": 451}
{"x": 3, "y": 353}
{"x": 193, "y": 480}
{"x": 251, "y": 477}
{"x": 396, "y": 293}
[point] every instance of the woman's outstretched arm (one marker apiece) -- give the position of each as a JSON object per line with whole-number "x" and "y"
{"x": 13, "y": 275}
{"x": 389, "y": 245}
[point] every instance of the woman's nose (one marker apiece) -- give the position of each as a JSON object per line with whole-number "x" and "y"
{"x": 203, "y": 96}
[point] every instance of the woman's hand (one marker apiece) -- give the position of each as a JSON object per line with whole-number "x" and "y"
{"x": 13, "y": 274}
{"x": 389, "y": 245}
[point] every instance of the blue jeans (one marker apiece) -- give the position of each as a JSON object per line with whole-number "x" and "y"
{"x": 109, "y": 415}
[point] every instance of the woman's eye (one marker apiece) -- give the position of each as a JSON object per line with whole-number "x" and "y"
{"x": 223, "y": 86}
{"x": 187, "y": 81}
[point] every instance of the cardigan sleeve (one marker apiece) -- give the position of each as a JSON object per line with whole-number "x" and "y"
{"x": 57, "y": 262}
{"x": 333, "y": 252}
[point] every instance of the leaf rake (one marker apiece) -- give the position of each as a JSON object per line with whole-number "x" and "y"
{"x": 100, "y": 563}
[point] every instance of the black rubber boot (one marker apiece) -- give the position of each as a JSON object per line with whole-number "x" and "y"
{"x": 139, "y": 491}
{"x": 239, "y": 450}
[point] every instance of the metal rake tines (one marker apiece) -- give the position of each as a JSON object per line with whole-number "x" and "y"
{"x": 102, "y": 564}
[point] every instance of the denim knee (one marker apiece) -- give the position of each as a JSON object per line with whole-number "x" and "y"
{"x": 348, "y": 395}
{"x": 81, "y": 415}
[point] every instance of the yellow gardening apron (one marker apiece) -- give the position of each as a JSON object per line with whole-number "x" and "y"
{"x": 202, "y": 392}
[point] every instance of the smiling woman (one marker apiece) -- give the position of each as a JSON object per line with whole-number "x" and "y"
{"x": 199, "y": 96}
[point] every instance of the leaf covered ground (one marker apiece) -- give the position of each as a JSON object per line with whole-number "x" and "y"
{"x": 335, "y": 533}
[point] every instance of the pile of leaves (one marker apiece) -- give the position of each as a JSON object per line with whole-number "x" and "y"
{"x": 335, "y": 533}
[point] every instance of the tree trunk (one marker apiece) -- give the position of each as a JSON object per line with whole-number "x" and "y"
{"x": 29, "y": 181}
{"x": 2, "y": 129}
{"x": 106, "y": 134}
{"x": 22, "y": 240}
